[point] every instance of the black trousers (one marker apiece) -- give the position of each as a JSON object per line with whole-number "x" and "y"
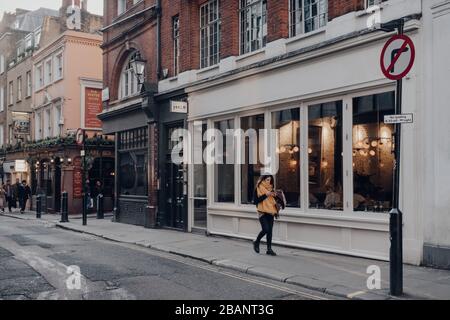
{"x": 12, "y": 203}
{"x": 266, "y": 221}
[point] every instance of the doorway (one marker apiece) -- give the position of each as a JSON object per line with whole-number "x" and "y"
{"x": 174, "y": 186}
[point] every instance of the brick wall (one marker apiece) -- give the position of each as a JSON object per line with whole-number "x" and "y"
{"x": 188, "y": 12}
{"x": 338, "y": 8}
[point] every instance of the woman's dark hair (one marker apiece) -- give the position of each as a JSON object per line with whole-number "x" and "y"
{"x": 264, "y": 177}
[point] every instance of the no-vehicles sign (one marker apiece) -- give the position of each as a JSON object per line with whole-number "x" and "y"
{"x": 397, "y": 57}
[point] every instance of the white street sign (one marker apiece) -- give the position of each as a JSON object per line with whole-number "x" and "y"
{"x": 178, "y": 106}
{"x": 399, "y": 118}
{"x": 83, "y": 153}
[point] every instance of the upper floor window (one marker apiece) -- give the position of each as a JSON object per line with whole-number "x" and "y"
{"x": 37, "y": 37}
{"x": 253, "y": 25}
{"x": 19, "y": 88}
{"x": 176, "y": 44}
{"x": 48, "y": 72}
{"x": 121, "y": 6}
{"x": 129, "y": 85}
{"x": 307, "y": 15}
{"x": 370, "y": 3}
{"x": 209, "y": 34}
{"x": 2, "y": 99}
{"x": 39, "y": 77}
{"x": 11, "y": 93}
{"x": 2, "y": 64}
{"x": 58, "y": 66}
{"x": 29, "y": 41}
{"x": 29, "y": 84}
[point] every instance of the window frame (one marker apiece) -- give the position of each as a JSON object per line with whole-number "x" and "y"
{"x": 293, "y": 24}
{"x": 176, "y": 43}
{"x": 11, "y": 93}
{"x": 2, "y": 98}
{"x": 58, "y": 71}
{"x": 29, "y": 84}
{"x": 49, "y": 73}
{"x": 347, "y": 150}
{"x": 39, "y": 76}
{"x": 121, "y": 7}
{"x": 243, "y": 47}
{"x": 208, "y": 27}
{"x": 19, "y": 89}
{"x": 126, "y": 88}
{"x": 375, "y": 3}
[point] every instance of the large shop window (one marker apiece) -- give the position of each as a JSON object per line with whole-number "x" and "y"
{"x": 224, "y": 168}
{"x": 287, "y": 124}
{"x": 325, "y": 151}
{"x": 253, "y": 143}
{"x": 133, "y": 160}
{"x": 200, "y": 172}
{"x": 373, "y": 158}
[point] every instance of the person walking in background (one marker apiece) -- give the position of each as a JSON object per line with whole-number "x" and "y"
{"x": 9, "y": 191}
{"x": 2, "y": 197}
{"x": 266, "y": 205}
{"x": 16, "y": 188}
{"x": 24, "y": 195}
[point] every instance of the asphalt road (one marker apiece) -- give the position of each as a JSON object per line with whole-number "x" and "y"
{"x": 42, "y": 262}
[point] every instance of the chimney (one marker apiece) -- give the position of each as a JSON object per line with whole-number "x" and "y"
{"x": 84, "y": 4}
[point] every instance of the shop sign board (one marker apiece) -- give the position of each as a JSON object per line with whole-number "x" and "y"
{"x": 399, "y": 118}
{"x": 397, "y": 57}
{"x": 178, "y": 106}
{"x": 93, "y": 106}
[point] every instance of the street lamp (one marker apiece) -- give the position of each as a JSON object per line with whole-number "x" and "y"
{"x": 138, "y": 65}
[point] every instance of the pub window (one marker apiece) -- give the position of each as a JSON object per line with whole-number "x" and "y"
{"x": 253, "y": 143}
{"x": 224, "y": 163}
{"x": 133, "y": 161}
{"x": 287, "y": 124}
{"x": 373, "y": 158}
{"x": 253, "y": 25}
{"x": 325, "y": 165}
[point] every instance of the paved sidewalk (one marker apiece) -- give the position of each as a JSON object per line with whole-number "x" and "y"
{"x": 337, "y": 275}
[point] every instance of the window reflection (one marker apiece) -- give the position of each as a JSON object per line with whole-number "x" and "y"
{"x": 373, "y": 159}
{"x": 251, "y": 167}
{"x": 287, "y": 122}
{"x": 325, "y": 156}
{"x": 224, "y": 180}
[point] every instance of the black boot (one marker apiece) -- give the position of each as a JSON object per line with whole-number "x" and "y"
{"x": 270, "y": 252}
{"x": 256, "y": 246}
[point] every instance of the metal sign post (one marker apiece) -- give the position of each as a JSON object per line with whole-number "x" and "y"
{"x": 397, "y": 59}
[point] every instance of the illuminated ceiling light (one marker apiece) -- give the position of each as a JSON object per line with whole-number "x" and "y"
{"x": 374, "y": 143}
{"x": 372, "y": 153}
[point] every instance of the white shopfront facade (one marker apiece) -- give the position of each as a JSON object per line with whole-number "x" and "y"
{"x": 335, "y": 160}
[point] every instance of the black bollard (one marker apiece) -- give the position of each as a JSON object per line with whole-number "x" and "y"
{"x": 64, "y": 207}
{"x": 38, "y": 207}
{"x": 100, "y": 213}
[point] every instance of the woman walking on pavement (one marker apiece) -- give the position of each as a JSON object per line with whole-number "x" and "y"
{"x": 267, "y": 209}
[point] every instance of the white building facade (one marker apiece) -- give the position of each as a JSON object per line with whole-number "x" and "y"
{"x": 326, "y": 95}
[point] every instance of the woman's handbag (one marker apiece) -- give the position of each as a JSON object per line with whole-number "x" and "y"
{"x": 281, "y": 200}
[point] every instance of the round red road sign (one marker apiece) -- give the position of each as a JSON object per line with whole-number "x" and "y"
{"x": 397, "y": 57}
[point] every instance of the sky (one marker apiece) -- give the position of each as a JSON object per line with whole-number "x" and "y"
{"x": 94, "y": 6}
